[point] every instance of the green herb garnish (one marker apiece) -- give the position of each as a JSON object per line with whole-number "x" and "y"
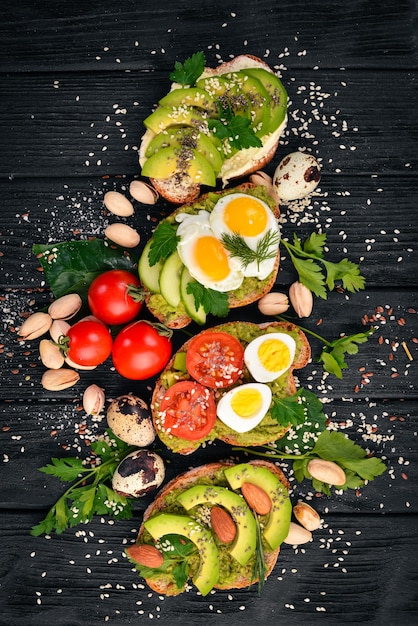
{"x": 266, "y": 247}
{"x": 214, "y": 302}
{"x": 89, "y": 493}
{"x": 296, "y": 409}
{"x": 308, "y": 260}
{"x": 188, "y": 72}
{"x": 164, "y": 242}
{"x": 259, "y": 571}
{"x": 235, "y": 129}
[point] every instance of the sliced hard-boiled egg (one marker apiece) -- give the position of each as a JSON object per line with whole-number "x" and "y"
{"x": 243, "y": 407}
{"x": 269, "y": 356}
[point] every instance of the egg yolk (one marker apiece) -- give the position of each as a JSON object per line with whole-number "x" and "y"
{"x": 246, "y": 402}
{"x": 274, "y": 355}
{"x": 211, "y": 257}
{"x": 245, "y": 216}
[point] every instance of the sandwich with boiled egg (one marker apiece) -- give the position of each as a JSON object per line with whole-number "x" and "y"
{"x": 216, "y": 253}
{"x": 225, "y": 383}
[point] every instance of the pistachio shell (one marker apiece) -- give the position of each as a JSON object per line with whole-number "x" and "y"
{"x": 123, "y": 235}
{"x": 55, "y": 380}
{"x": 142, "y": 192}
{"x": 51, "y": 355}
{"x": 297, "y": 535}
{"x": 93, "y": 400}
{"x": 58, "y": 329}
{"x": 327, "y": 472}
{"x": 307, "y": 516}
{"x": 301, "y": 298}
{"x": 35, "y": 326}
{"x": 77, "y": 366}
{"x": 118, "y": 204}
{"x": 273, "y": 303}
{"x": 65, "y": 307}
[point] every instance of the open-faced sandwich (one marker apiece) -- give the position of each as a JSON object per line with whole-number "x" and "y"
{"x": 225, "y": 382}
{"x": 215, "y": 123}
{"x": 216, "y": 253}
{"x": 217, "y": 526}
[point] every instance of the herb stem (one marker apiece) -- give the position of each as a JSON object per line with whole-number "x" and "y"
{"x": 272, "y": 455}
{"x": 309, "y": 332}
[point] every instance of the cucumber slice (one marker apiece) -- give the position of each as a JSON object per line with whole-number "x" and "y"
{"x": 149, "y": 275}
{"x": 197, "y": 315}
{"x": 170, "y": 279}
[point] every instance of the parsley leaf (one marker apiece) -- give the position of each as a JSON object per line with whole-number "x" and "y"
{"x": 235, "y": 129}
{"x": 215, "y": 302}
{"x": 318, "y": 274}
{"x": 332, "y": 356}
{"x": 188, "y": 72}
{"x": 163, "y": 242}
{"x": 289, "y": 410}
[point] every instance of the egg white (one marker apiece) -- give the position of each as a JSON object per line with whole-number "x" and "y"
{"x": 230, "y": 418}
{"x": 252, "y": 360}
{"x": 217, "y": 222}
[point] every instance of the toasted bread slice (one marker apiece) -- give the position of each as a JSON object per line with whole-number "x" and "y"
{"x": 178, "y": 318}
{"x": 180, "y": 188}
{"x": 166, "y": 586}
{"x": 263, "y": 434}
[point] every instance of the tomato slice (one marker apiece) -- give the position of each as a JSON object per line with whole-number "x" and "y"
{"x": 188, "y": 410}
{"x": 215, "y": 359}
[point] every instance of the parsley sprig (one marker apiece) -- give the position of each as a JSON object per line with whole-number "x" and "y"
{"x": 266, "y": 247}
{"x": 235, "y": 129}
{"x": 163, "y": 242}
{"x": 214, "y": 302}
{"x": 318, "y": 274}
{"x": 89, "y": 494}
{"x": 188, "y": 72}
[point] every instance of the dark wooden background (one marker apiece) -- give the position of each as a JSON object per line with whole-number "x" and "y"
{"x": 77, "y": 79}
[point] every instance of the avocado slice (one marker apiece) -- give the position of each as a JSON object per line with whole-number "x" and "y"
{"x": 216, "y": 86}
{"x": 244, "y": 544}
{"x": 277, "y": 92}
{"x": 197, "y": 314}
{"x": 163, "y": 117}
{"x": 149, "y": 274}
{"x": 278, "y": 523}
{"x": 189, "y": 96}
{"x": 168, "y": 523}
{"x": 169, "y": 279}
{"x": 169, "y": 161}
{"x": 258, "y": 99}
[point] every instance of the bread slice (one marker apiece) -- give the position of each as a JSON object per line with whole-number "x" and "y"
{"x": 180, "y": 319}
{"x": 182, "y": 482}
{"x": 180, "y": 188}
{"x": 261, "y": 435}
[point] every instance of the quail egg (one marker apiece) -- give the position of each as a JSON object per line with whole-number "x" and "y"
{"x": 269, "y": 356}
{"x": 138, "y": 473}
{"x": 296, "y": 176}
{"x": 130, "y": 419}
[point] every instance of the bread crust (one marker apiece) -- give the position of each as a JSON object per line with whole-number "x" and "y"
{"x": 179, "y": 188}
{"x": 186, "y": 480}
{"x": 302, "y": 359}
{"x": 181, "y": 320}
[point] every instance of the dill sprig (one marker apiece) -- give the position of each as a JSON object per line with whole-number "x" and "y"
{"x": 259, "y": 571}
{"x": 266, "y": 247}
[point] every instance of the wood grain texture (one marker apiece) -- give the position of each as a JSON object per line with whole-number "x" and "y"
{"x": 77, "y": 81}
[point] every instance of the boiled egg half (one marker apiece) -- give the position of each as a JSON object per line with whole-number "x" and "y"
{"x": 269, "y": 356}
{"x": 243, "y": 407}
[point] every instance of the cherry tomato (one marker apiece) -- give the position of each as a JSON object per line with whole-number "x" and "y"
{"x": 141, "y": 350}
{"x": 115, "y": 297}
{"x": 215, "y": 359}
{"x": 188, "y": 410}
{"x": 90, "y": 343}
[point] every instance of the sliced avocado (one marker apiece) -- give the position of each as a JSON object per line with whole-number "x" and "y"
{"x": 189, "y": 96}
{"x": 216, "y": 86}
{"x": 169, "y": 161}
{"x": 258, "y": 102}
{"x": 244, "y": 544}
{"x": 197, "y": 314}
{"x": 169, "y": 280}
{"x": 167, "y": 523}
{"x": 277, "y": 527}
{"x": 149, "y": 275}
{"x": 277, "y": 92}
{"x": 163, "y": 117}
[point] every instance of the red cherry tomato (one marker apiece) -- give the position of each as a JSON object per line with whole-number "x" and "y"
{"x": 90, "y": 343}
{"x": 188, "y": 410}
{"x": 115, "y": 297}
{"x": 215, "y": 359}
{"x": 141, "y": 350}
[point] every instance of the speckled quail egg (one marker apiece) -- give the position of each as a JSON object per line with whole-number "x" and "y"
{"x": 269, "y": 356}
{"x": 129, "y": 417}
{"x": 243, "y": 407}
{"x": 296, "y": 176}
{"x": 138, "y": 473}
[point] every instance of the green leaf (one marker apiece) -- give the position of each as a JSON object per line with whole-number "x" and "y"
{"x": 289, "y": 410}
{"x": 71, "y": 266}
{"x": 333, "y": 355}
{"x": 313, "y": 245}
{"x": 188, "y": 72}
{"x": 214, "y": 302}
{"x": 235, "y": 129}
{"x": 163, "y": 243}
{"x": 302, "y": 437}
{"x": 67, "y": 469}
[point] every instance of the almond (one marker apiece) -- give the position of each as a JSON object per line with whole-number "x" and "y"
{"x": 146, "y": 555}
{"x": 257, "y": 499}
{"x": 222, "y": 524}
{"x": 307, "y": 516}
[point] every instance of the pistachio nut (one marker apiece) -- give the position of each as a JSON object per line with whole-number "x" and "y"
{"x": 118, "y": 204}
{"x": 307, "y": 516}
{"x": 297, "y": 535}
{"x": 51, "y": 355}
{"x": 59, "y": 328}
{"x": 65, "y": 307}
{"x": 327, "y": 472}
{"x": 93, "y": 400}
{"x": 123, "y": 235}
{"x": 261, "y": 178}
{"x": 55, "y": 380}
{"x": 301, "y": 299}
{"x": 35, "y": 326}
{"x": 273, "y": 303}
{"x": 142, "y": 192}
{"x": 77, "y": 366}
